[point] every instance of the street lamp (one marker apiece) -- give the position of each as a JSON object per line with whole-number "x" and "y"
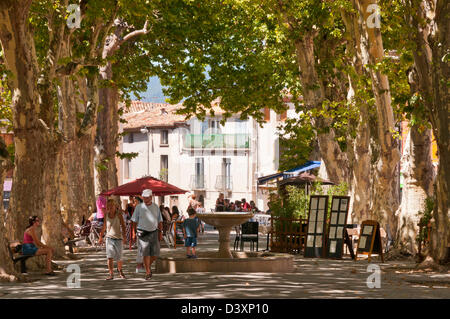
{"x": 145, "y": 130}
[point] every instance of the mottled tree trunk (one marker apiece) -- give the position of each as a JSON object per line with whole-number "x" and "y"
{"x": 440, "y": 110}
{"x": 107, "y": 138}
{"x": 386, "y": 174}
{"x": 106, "y": 141}
{"x": 34, "y": 190}
{"x": 76, "y": 159}
{"x": 359, "y": 151}
{"x": 361, "y": 182}
{"x": 335, "y": 160}
{"x": 417, "y": 170}
{"x": 7, "y": 271}
{"x": 432, "y": 41}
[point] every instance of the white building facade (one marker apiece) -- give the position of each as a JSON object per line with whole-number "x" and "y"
{"x": 205, "y": 157}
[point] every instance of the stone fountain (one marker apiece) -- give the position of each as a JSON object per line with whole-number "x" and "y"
{"x": 224, "y": 222}
{"x": 224, "y": 260}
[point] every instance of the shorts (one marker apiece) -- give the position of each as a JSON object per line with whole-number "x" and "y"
{"x": 190, "y": 242}
{"x": 114, "y": 248}
{"x": 29, "y": 249}
{"x": 149, "y": 244}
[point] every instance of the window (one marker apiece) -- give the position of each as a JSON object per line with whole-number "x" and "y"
{"x": 204, "y": 126}
{"x": 199, "y": 172}
{"x": 164, "y": 137}
{"x": 130, "y": 137}
{"x": 215, "y": 126}
{"x": 226, "y": 172}
{"x": 126, "y": 168}
{"x": 164, "y": 173}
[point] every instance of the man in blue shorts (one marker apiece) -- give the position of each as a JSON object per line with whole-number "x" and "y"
{"x": 190, "y": 229}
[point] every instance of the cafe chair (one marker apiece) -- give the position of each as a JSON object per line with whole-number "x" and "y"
{"x": 249, "y": 233}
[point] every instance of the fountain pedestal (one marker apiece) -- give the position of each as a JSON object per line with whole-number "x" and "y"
{"x": 225, "y": 261}
{"x": 224, "y": 222}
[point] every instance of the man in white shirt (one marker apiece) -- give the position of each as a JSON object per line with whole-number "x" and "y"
{"x": 147, "y": 222}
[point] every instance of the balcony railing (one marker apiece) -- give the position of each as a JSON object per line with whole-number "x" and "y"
{"x": 217, "y": 141}
{"x": 197, "y": 182}
{"x": 224, "y": 182}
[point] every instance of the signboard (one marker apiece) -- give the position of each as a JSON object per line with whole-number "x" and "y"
{"x": 317, "y": 222}
{"x": 370, "y": 239}
{"x": 337, "y": 228}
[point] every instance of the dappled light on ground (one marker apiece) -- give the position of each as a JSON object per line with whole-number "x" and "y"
{"x": 313, "y": 278}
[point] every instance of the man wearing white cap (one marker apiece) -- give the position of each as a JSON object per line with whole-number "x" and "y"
{"x": 148, "y": 224}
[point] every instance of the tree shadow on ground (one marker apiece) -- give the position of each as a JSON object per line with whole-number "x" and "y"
{"x": 312, "y": 278}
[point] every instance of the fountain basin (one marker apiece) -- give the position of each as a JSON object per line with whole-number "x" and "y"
{"x": 224, "y": 221}
{"x": 248, "y": 262}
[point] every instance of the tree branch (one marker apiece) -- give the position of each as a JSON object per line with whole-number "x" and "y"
{"x": 129, "y": 37}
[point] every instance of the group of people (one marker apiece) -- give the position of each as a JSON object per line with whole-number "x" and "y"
{"x": 225, "y": 205}
{"x": 147, "y": 222}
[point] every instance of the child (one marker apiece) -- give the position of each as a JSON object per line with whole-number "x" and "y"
{"x": 190, "y": 229}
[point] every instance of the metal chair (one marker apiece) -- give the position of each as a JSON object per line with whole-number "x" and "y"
{"x": 167, "y": 234}
{"x": 249, "y": 233}
{"x": 238, "y": 237}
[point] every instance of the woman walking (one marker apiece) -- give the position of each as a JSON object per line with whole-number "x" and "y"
{"x": 115, "y": 237}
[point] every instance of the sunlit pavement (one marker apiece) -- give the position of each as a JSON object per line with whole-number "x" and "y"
{"x": 313, "y": 278}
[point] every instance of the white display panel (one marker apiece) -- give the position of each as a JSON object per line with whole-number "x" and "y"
{"x": 310, "y": 241}
{"x": 319, "y": 227}
{"x": 339, "y": 232}
{"x": 320, "y": 215}
{"x": 343, "y": 204}
{"x": 318, "y": 241}
{"x": 335, "y": 205}
{"x": 334, "y": 218}
{"x": 362, "y": 242}
{"x": 322, "y": 203}
{"x": 332, "y": 232}
{"x": 367, "y": 230}
{"x": 333, "y": 246}
{"x": 311, "y": 228}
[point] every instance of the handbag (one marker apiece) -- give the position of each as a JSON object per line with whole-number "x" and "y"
{"x": 142, "y": 233}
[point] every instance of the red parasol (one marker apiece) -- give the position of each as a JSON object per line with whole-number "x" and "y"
{"x": 158, "y": 187}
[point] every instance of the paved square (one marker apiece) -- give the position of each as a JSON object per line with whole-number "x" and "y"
{"x": 312, "y": 278}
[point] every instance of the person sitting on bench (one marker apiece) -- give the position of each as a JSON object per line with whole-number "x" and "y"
{"x": 31, "y": 243}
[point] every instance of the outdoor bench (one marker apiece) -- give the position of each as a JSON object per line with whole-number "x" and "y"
{"x": 15, "y": 252}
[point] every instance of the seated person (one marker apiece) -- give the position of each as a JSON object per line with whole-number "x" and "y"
{"x": 175, "y": 213}
{"x": 238, "y": 206}
{"x": 253, "y": 207}
{"x": 220, "y": 203}
{"x": 245, "y": 206}
{"x": 227, "y": 207}
{"x": 34, "y": 247}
